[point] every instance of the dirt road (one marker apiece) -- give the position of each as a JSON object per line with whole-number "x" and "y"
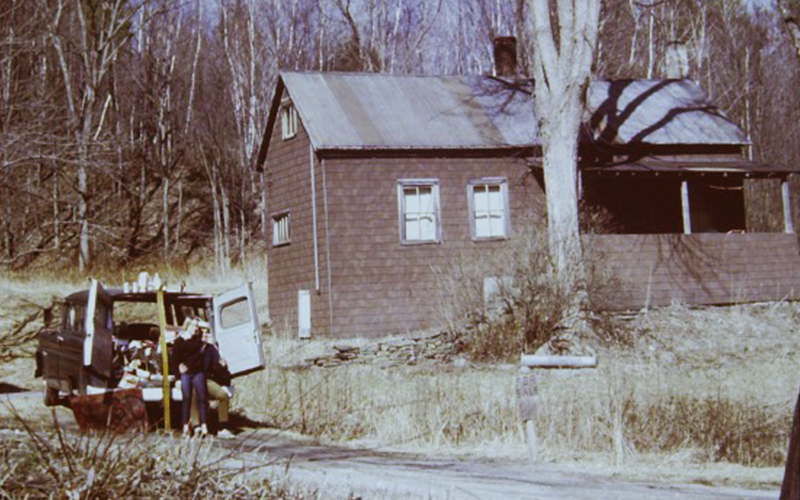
{"x": 373, "y": 474}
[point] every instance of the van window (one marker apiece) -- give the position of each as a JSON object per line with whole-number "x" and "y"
{"x": 102, "y": 316}
{"x": 69, "y": 318}
{"x": 235, "y": 313}
{"x": 78, "y": 320}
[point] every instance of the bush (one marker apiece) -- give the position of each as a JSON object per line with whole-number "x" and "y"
{"x": 516, "y": 302}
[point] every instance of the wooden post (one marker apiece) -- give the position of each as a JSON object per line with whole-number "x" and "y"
{"x": 686, "y": 209}
{"x": 526, "y": 404}
{"x": 533, "y": 441}
{"x": 527, "y": 390}
{"x": 788, "y": 224}
{"x": 162, "y": 323}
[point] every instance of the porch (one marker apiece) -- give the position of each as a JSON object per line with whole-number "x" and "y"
{"x": 705, "y": 268}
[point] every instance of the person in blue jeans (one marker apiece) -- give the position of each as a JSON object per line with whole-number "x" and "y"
{"x": 188, "y": 357}
{"x": 218, "y": 386}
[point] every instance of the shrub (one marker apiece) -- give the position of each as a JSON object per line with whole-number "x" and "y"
{"x": 516, "y": 301}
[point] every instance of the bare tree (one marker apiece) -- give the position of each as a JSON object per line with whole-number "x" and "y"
{"x": 564, "y": 39}
{"x": 100, "y": 31}
{"x": 110, "y": 144}
{"x": 790, "y": 23}
{"x": 244, "y": 53}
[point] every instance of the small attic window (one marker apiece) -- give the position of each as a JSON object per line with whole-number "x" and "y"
{"x": 281, "y": 228}
{"x": 288, "y": 120}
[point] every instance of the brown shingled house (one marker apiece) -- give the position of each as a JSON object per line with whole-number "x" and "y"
{"x": 372, "y": 179}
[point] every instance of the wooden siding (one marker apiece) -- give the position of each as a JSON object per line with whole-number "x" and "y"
{"x": 379, "y": 285}
{"x": 657, "y": 269}
{"x": 291, "y": 267}
{"x": 364, "y": 282}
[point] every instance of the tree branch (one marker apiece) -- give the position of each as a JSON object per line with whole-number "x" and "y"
{"x": 791, "y": 24}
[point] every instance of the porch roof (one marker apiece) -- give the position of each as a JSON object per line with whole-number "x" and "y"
{"x": 729, "y": 166}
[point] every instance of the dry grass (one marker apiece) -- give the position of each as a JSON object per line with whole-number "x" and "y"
{"x": 683, "y": 386}
{"x": 39, "y": 285}
{"x": 24, "y": 296}
{"x": 697, "y": 389}
{"x": 52, "y": 463}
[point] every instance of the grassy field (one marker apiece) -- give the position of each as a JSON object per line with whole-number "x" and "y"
{"x": 709, "y": 389}
{"x": 707, "y": 392}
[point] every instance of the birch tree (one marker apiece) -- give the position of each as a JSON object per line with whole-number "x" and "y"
{"x": 161, "y": 46}
{"x": 101, "y": 31}
{"x": 242, "y": 53}
{"x": 790, "y": 23}
{"x": 564, "y": 40}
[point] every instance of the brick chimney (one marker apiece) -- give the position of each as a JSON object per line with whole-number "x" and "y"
{"x": 505, "y": 56}
{"x": 677, "y": 60}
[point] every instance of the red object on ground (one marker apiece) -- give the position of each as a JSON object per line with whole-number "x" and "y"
{"x": 120, "y": 411}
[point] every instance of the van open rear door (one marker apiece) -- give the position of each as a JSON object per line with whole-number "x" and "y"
{"x": 97, "y": 348}
{"x": 237, "y": 330}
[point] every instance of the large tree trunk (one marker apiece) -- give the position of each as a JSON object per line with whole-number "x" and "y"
{"x": 562, "y": 71}
{"x": 790, "y": 489}
{"x": 560, "y": 158}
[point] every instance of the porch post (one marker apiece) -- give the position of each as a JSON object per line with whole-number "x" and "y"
{"x": 687, "y": 215}
{"x": 787, "y": 207}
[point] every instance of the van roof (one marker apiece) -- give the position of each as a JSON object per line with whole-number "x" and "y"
{"x": 120, "y": 295}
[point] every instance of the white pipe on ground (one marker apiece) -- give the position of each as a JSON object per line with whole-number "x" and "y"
{"x": 534, "y": 361}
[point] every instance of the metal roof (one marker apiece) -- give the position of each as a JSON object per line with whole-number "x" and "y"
{"x": 663, "y": 112}
{"x": 366, "y": 110}
{"x": 363, "y": 111}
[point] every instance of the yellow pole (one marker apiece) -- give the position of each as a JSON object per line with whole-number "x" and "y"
{"x": 162, "y": 323}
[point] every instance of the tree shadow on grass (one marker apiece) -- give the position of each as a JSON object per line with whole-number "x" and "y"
{"x": 237, "y": 420}
{"x": 6, "y": 388}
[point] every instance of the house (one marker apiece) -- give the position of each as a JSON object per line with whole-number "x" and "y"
{"x": 373, "y": 180}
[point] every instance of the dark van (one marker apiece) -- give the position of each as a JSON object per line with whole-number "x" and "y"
{"x": 107, "y": 338}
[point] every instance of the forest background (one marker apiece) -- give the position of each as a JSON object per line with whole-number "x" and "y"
{"x": 129, "y": 128}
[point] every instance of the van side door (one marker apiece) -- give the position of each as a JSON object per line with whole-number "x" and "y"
{"x": 49, "y": 350}
{"x": 70, "y": 347}
{"x": 97, "y": 344}
{"x": 237, "y": 330}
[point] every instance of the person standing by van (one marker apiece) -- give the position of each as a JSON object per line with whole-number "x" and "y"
{"x": 218, "y": 381}
{"x": 188, "y": 357}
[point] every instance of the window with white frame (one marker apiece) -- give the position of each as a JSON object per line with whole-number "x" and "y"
{"x": 418, "y": 205}
{"x": 281, "y": 229}
{"x": 488, "y": 208}
{"x": 288, "y": 120}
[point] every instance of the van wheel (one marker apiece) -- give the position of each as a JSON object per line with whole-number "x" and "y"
{"x": 51, "y": 396}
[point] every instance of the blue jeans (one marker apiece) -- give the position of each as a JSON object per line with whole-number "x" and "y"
{"x": 198, "y": 381}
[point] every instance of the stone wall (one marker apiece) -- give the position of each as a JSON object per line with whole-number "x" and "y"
{"x": 438, "y": 347}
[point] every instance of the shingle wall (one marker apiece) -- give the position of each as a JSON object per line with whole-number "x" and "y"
{"x": 291, "y": 267}
{"x": 708, "y": 268}
{"x": 379, "y": 285}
